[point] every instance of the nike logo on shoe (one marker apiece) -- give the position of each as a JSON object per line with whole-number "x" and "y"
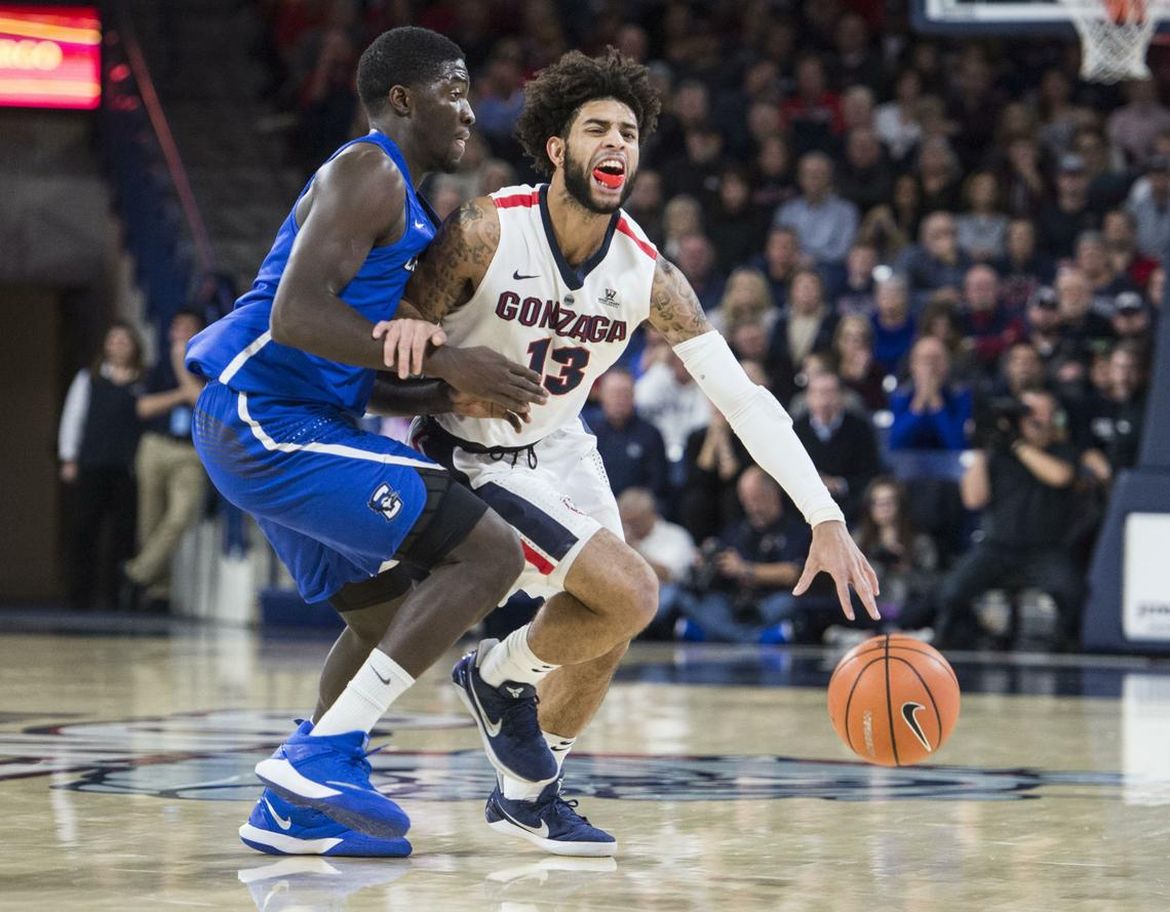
{"x": 282, "y": 822}
{"x": 492, "y": 728}
{"x": 542, "y": 832}
{"x": 519, "y": 278}
{"x": 908, "y": 711}
{"x": 514, "y": 691}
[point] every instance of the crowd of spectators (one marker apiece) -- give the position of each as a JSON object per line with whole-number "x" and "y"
{"x": 921, "y": 246}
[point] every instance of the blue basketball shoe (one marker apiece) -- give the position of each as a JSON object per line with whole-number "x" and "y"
{"x": 330, "y": 774}
{"x": 506, "y": 716}
{"x": 279, "y": 828}
{"x": 550, "y": 822}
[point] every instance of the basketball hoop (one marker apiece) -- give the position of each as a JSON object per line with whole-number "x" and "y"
{"x": 1115, "y": 35}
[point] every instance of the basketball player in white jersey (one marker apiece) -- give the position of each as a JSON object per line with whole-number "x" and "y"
{"x": 558, "y": 277}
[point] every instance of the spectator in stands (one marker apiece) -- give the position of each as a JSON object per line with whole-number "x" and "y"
{"x": 646, "y": 204}
{"x": 1024, "y": 188}
{"x": 681, "y": 217}
{"x": 172, "y": 486}
{"x": 857, "y": 64}
{"x": 891, "y": 228}
{"x": 858, "y": 293}
{"x": 985, "y": 322}
{"x": 695, "y": 258}
{"x": 734, "y": 226}
{"x": 1105, "y": 284}
{"x": 780, "y": 262}
{"x": 668, "y": 397}
{"x": 941, "y": 319}
{"x": 982, "y": 229}
{"x": 813, "y": 114}
{"x": 500, "y": 96}
{"x": 808, "y": 324}
{"x": 96, "y": 445}
{"x": 1132, "y": 128}
{"x": 893, "y": 327}
{"x": 1057, "y": 111}
{"x": 743, "y": 588}
{"x": 865, "y": 178}
{"x": 1110, "y": 426}
{"x": 746, "y": 297}
{"x": 327, "y": 102}
{"x": 905, "y": 560}
{"x": 1152, "y": 211}
{"x": 935, "y": 261}
{"x": 1107, "y": 187}
{"x": 1044, "y": 327}
{"x": 772, "y": 180}
{"x": 714, "y": 460}
{"x": 928, "y": 413}
{"x": 1022, "y": 480}
{"x": 630, "y": 446}
{"x": 939, "y": 176}
{"x": 667, "y": 548}
{"x": 1155, "y": 291}
{"x": 1075, "y": 297}
{"x": 1021, "y": 369}
{"x": 1132, "y": 321}
{"x": 897, "y": 120}
{"x": 1119, "y": 229}
{"x": 974, "y": 106}
{"x": 859, "y": 370}
{"x": 694, "y": 169}
{"x": 497, "y": 173}
{"x": 824, "y": 223}
{"x": 857, "y": 109}
{"x": 1062, "y": 220}
{"x": 842, "y": 445}
{"x": 1022, "y": 269}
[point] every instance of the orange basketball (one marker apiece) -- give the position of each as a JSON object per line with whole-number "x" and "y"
{"x": 893, "y": 700}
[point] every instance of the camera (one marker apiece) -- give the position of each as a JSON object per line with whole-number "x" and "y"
{"x": 997, "y": 422}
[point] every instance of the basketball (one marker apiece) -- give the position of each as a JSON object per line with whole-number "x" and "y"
{"x": 893, "y": 700}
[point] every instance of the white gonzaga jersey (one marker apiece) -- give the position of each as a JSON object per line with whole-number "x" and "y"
{"x": 569, "y": 325}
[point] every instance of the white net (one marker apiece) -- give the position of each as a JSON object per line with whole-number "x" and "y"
{"x": 1114, "y": 36}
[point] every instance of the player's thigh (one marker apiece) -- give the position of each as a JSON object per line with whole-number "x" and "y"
{"x": 611, "y": 577}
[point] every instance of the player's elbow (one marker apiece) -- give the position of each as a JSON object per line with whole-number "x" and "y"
{"x": 281, "y": 325}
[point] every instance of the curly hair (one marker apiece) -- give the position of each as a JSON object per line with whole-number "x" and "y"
{"x": 552, "y": 99}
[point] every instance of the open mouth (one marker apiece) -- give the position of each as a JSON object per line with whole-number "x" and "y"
{"x": 610, "y": 173}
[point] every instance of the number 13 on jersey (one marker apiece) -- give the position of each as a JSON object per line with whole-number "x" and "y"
{"x": 573, "y": 362}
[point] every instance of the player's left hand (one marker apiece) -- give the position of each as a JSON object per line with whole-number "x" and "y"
{"x": 834, "y": 551}
{"x": 469, "y": 406}
{"x": 405, "y": 341}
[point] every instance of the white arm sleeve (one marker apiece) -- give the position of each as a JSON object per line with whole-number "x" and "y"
{"x": 760, "y": 422}
{"x": 73, "y": 418}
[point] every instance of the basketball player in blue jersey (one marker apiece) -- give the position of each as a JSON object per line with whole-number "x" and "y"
{"x": 361, "y": 521}
{"x": 560, "y": 275}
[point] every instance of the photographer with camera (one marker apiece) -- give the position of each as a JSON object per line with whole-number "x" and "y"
{"x": 741, "y": 589}
{"x": 1022, "y": 478}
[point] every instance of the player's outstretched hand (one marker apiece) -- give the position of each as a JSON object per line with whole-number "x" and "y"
{"x": 834, "y": 551}
{"x": 486, "y": 374}
{"x": 469, "y": 407}
{"x": 405, "y": 341}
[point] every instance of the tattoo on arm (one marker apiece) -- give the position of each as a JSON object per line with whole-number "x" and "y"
{"x": 456, "y": 261}
{"x": 675, "y": 310}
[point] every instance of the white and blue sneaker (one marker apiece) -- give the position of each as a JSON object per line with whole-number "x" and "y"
{"x": 298, "y": 884}
{"x": 506, "y": 717}
{"x": 276, "y": 827}
{"x": 550, "y": 822}
{"x": 330, "y": 774}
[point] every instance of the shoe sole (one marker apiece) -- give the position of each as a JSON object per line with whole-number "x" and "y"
{"x": 282, "y": 778}
{"x": 574, "y": 849}
{"x": 279, "y": 844}
{"x": 465, "y": 697}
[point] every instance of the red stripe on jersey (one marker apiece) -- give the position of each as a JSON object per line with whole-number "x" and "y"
{"x": 519, "y": 199}
{"x": 624, "y": 227}
{"x": 538, "y": 560}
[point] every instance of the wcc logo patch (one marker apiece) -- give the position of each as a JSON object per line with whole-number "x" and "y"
{"x": 385, "y": 500}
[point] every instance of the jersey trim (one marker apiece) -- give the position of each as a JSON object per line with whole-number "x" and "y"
{"x": 625, "y": 228}
{"x": 242, "y": 357}
{"x": 574, "y": 278}
{"x": 331, "y": 449}
{"x": 518, "y": 199}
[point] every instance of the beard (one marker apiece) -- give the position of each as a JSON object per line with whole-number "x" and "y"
{"x": 578, "y": 181}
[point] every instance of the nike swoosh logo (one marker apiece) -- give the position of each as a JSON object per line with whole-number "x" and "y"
{"x": 492, "y": 728}
{"x": 420, "y": 225}
{"x": 282, "y": 822}
{"x": 542, "y": 832}
{"x": 516, "y": 275}
{"x": 380, "y": 678}
{"x": 908, "y": 711}
{"x": 559, "y": 749}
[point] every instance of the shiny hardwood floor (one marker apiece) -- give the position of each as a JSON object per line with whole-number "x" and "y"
{"x": 125, "y": 769}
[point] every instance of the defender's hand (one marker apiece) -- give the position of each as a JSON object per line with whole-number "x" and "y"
{"x": 405, "y": 341}
{"x": 486, "y": 374}
{"x": 468, "y": 406}
{"x": 836, "y": 553}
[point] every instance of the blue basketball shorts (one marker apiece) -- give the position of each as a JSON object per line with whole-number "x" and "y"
{"x": 337, "y": 503}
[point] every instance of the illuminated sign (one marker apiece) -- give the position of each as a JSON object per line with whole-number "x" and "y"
{"x": 50, "y": 57}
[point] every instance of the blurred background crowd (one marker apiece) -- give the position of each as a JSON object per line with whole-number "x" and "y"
{"x": 943, "y": 257}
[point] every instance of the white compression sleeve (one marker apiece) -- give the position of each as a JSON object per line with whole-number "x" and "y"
{"x": 760, "y": 422}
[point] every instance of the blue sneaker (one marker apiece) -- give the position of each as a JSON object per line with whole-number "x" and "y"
{"x": 506, "y": 716}
{"x": 279, "y": 828}
{"x": 550, "y": 822}
{"x": 330, "y": 774}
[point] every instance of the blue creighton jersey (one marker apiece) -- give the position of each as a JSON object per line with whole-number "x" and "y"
{"x": 238, "y": 350}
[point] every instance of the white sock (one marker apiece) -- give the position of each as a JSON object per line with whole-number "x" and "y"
{"x": 518, "y": 789}
{"x": 378, "y": 683}
{"x": 512, "y": 660}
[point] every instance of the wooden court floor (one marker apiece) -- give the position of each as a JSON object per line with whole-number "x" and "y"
{"x": 125, "y": 770}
